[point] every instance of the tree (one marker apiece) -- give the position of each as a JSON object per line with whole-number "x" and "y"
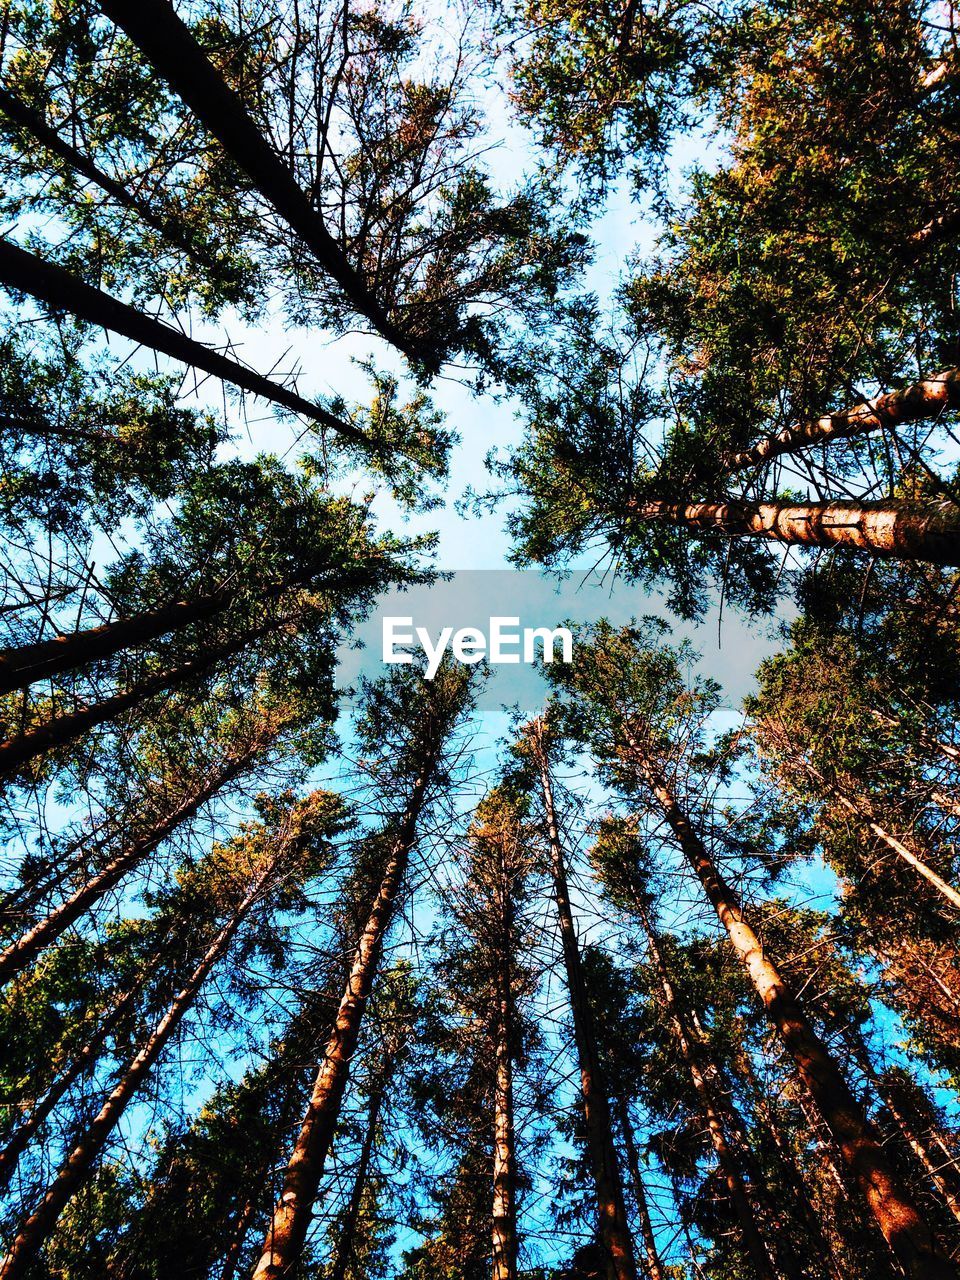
{"x": 613, "y": 1228}
{"x": 256, "y": 864}
{"x": 635, "y": 690}
{"x": 407, "y": 722}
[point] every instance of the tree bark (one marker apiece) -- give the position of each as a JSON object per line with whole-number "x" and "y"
{"x": 904, "y": 1229}
{"x": 654, "y": 1265}
{"x": 926, "y": 399}
{"x": 19, "y": 954}
{"x": 887, "y": 1091}
{"x": 790, "y": 1172}
{"x": 614, "y": 1229}
{"x": 291, "y": 1217}
{"x": 24, "y": 664}
{"x": 860, "y": 809}
{"x": 50, "y": 284}
{"x": 76, "y": 1168}
{"x": 887, "y": 530}
{"x": 504, "y": 1217}
{"x": 169, "y": 45}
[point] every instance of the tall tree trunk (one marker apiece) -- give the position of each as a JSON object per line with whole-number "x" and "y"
{"x": 930, "y": 741}
{"x": 905, "y": 1230}
{"x": 347, "y": 1228}
{"x": 892, "y": 529}
{"x": 654, "y": 1265}
{"x": 75, "y": 1170}
{"x": 231, "y": 1259}
{"x": 169, "y": 45}
{"x": 23, "y": 665}
{"x": 614, "y": 1229}
{"x": 36, "y": 884}
{"x": 721, "y": 1123}
{"x": 28, "y": 120}
{"x": 291, "y": 1217}
{"x": 926, "y": 399}
{"x": 62, "y": 730}
{"x": 19, "y": 954}
{"x": 26, "y": 273}
{"x": 504, "y": 1218}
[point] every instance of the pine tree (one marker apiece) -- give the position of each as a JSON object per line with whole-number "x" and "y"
{"x": 407, "y": 722}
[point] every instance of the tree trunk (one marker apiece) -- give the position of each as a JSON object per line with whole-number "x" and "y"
{"x": 347, "y": 1229}
{"x": 861, "y": 809}
{"x": 906, "y": 1232}
{"x": 614, "y": 1229}
{"x": 291, "y": 1217}
{"x": 25, "y": 664}
{"x": 169, "y": 45}
{"x": 887, "y": 530}
{"x": 717, "y": 1114}
{"x": 76, "y": 1168}
{"x": 62, "y": 730}
{"x": 654, "y": 1265}
{"x": 24, "y": 272}
{"x": 504, "y": 1224}
{"x": 927, "y": 399}
{"x": 790, "y": 1171}
{"x": 28, "y": 120}
{"x": 19, "y": 954}
{"x": 231, "y": 1259}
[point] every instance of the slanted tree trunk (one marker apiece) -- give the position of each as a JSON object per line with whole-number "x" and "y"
{"x": 926, "y": 399}
{"x": 614, "y": 1229}
{"x": 50, "y": 284}
{"x": 169, "y": 45}
{"x": 789, "y": 1169}
{"x": 231, "y": 1259}
{"x": 931, "y": 742}
{"x": 22, "y": 666}
{"x": 347, "y": 1228}
{"x": 36, "y": 885}
{"x": 721, "y": 1124}
{"x": 62, "y": 730}
{"x": 862, "y": 810}
{"x": 291, "y": 1217}
{"x": 902, "y": 1225}
{"x": 887, "y": 530}
{"x": 651, "y": 1255}
{"x": 75, "y": 1170}
{"x": 29, "y": 121}
{"x": 19, "y": 954}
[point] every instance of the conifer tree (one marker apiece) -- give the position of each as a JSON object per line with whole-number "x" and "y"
{"x": 407, "y": 722}
{"x": 628, "y": 699}
{"x": 252, "y": 870}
